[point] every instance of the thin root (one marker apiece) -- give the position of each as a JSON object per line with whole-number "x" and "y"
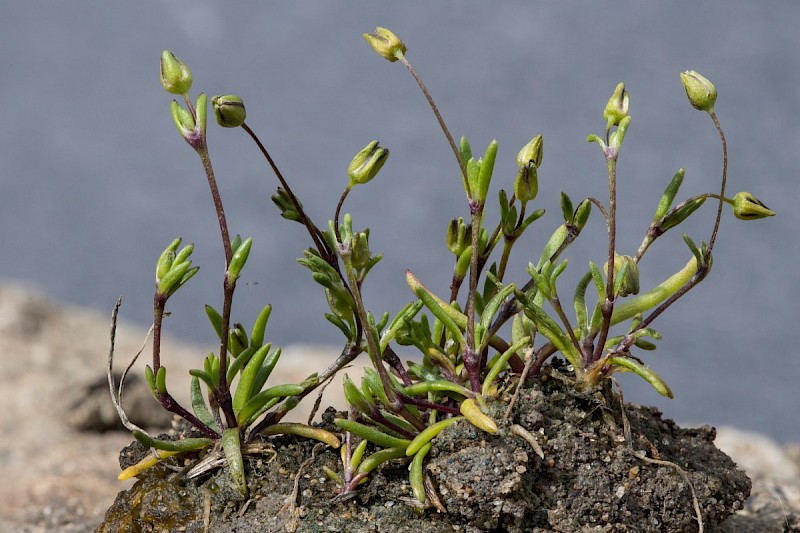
{"x": 522, "y": 378}
{"x": 520, "y": 431}
{"x": 639, "y": 455}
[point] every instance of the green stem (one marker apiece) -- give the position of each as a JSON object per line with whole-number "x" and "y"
{"x": 608, "y": 304}
{"x": 471, "y": 358}
{"x": 373, "y": 345}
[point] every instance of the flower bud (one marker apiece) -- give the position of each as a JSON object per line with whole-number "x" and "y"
{"x": 458, "y": 236}
{"x": 366, "y": 164}
{"x": 748, "y": 207}
{"x": 617, "y": 106}
{"x": 175, "y": 75}
{"x": 531, "y": 153}
{"x": 285, "y": 204}
{"x": 701, "y": 92}
{"x": 386, "y": 43}
{"x": 526, "y": 186}
{"x": 629, "y": 282}
{"x": 229, "y": 110}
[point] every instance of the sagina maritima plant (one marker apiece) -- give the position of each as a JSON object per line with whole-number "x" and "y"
{"x": 467, "y": 355}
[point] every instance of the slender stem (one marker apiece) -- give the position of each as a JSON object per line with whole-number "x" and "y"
{"x": 313, "y": 230}
{"x": 600, "y": 206}
{"x": 159, "y": 301}
{"x": 202, "y": 151}
{"x": 608, "y": 305}
{"x": 501, "y": 269}
{"x": 395, "y": 403}
{"x": 223, "y": 392}
{"x": 430, "y": 405}
{"x": 556, "y": 303}
{"x": 164, "y": 398}
{"x": 223, "y": 395}
{"x": 338, "y": 210}
{"x": 471, "y": 358}
{"x": 462, "y": 164}
{"x": 722, "y": 186}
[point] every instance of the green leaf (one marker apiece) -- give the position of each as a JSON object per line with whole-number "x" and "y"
{"x": 650, "y": 376}
{"x": 693, "y": 247}
{"x": 464, "y": 149}
{"x": 199, "y": 405}
{"x": 266, "y": 369}
{"x": 232, "y": 447}
{"x": 216, "y": 320}
{"x": 185, "y": 445}
{"x": 567, "y": 210}
{"x": 553, "y": 246}
{"x": 202, "y": 374}
{"x": 669, "y": 195}
{"x": 302, "y": 430}
{"x": 244, "y": 389}
{"x": 490, "y": 310}
{"x": 248, "y": 411}
{"x": 486, "y": 170}
{"x": 441, "y": 310}
{"x": 161, "y": 380}
{"x": 500, "y": 363}
{"x": 259, "y": 327}
{"x": 339, "y": 323}
{"x": 530, "y": 219}
{"x": 428, "y": 434}
{"x": 238, "y": 362}
{"x": 424, "y": 387}
{"x": 354, "y": 397}
{"x": 371, "y": 434}
{"x": 548, "y": 327}
{"x": 579, "y": 303}
{"x": 415, "y": 474}
{"x": 376, "y": 459}
{"x": 151, "y": 379}
{"x": 600, "y": 286}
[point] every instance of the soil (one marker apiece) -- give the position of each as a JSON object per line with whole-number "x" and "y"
{"x": 603, "y": 470}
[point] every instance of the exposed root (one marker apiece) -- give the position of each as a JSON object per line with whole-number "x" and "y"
{"x": 520, "y": 431}
{"x": 206, "y": 511}
{"x": 432, "y": 494}
{"x": 522, "y": 378}
{"x": 641, "y": 456}
{"x": 318, "y": 401}
{"x": 291, "y": 503}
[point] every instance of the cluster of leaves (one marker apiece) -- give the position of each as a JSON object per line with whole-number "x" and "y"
{"x": 467, "y": 357}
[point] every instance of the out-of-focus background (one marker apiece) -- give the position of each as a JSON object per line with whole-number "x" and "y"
{"x": 95, "y": 181}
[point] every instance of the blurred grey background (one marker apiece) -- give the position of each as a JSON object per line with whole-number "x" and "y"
{"x": 96, "y": 182}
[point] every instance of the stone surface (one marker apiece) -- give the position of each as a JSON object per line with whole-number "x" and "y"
{"x": 58, "y": 478}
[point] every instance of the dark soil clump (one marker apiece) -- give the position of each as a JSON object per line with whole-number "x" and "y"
{"x": 602, "y": 471}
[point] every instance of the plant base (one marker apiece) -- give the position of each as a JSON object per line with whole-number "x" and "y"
{"x": 590, "y": 479}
